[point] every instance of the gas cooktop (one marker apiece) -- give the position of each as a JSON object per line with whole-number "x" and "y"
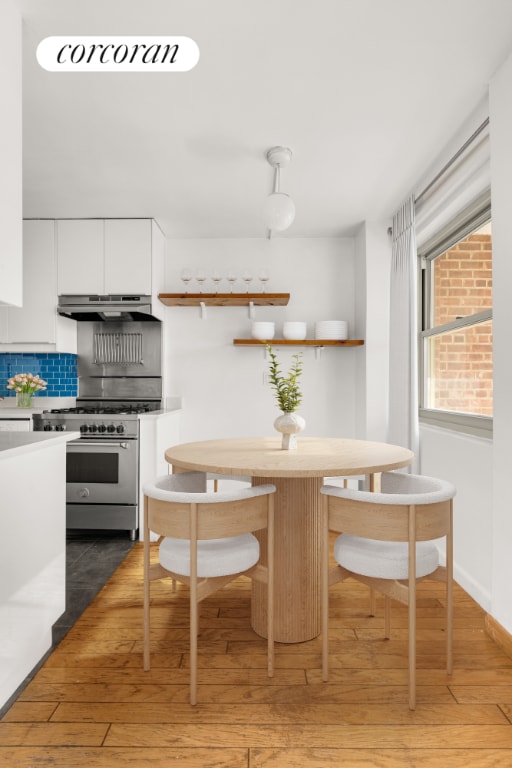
{"x": 105, "y": 409}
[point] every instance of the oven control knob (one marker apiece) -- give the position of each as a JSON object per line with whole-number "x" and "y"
{"x": 47, "y": 428}
{"x": 60, "y": 428}
{"x": 83, "y": 492}
{"x": 120, "y": 428}
{"x": 102, "y": 428}
{"x": 111, "y": 428}
{"x": 93, "y": 428}
{"x": 84, "y": 428}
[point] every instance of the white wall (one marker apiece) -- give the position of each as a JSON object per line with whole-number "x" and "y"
{"x": 501, "y": 171}
{"x": 222, "y": 385}
{"x": 11, "y": 257}
{"x": 467, "y": 463}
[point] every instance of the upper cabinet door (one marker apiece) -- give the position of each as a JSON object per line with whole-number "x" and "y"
{"x": 80, "y": 256}
{"x": 11, "y": 256}
{"x": 36, "y": 321}
{"x": 128, "y": 256}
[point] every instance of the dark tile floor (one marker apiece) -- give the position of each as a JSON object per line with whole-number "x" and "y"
{"x": 91, "y": 558}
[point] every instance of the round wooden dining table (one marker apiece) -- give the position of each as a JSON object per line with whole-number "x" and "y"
{"x": 298, "y": 476}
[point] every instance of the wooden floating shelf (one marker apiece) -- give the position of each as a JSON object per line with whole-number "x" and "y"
{"x": 304, "y": 343}
{"x": 224, "y": 299}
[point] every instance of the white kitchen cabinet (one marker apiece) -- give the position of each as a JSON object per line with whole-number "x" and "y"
{"x": 157, "y": 269}
{"x": 104, "y": 256}
{"x": 11, "y": 259}
{"x": 157, "y": 432}
{"x": 36, "y": 326}
{"x": 16, "y": 425}
{"x": 32, "y": 550}
{"x": 80, "y": 256}
{"x": 128, "y": 256}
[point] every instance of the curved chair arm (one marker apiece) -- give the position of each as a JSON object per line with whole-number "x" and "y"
{"x": 170, "y": 488}
{"x": 398, "y": 488}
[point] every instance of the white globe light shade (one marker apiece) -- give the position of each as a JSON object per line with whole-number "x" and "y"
{"x": 278, "y": 211}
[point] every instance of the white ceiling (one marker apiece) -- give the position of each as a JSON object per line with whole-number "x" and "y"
{"x": 365, "y": 92}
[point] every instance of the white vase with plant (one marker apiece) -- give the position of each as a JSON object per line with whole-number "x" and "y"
{"x": 289, "y": 397}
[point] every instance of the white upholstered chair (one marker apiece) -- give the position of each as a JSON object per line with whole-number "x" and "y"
{"x": 206, "y": 541}
{"x": 387, "y": 542}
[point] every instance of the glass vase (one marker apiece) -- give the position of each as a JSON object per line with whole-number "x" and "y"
{"x": 23, "y": 399}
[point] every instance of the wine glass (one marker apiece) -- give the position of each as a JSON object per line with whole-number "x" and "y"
{"x": 216, "y": 278}
{"x": 247, "y": 278}
{"x": 200, "y": 277}
{"x": 231, "y": 278}
{"x": 186, "y": 276}
{"x": 264, "y": 277}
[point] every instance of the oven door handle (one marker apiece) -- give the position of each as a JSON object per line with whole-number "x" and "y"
{"x": 97, "y": 444}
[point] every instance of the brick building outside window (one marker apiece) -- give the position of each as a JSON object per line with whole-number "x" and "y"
{"x": 457, "y": 328}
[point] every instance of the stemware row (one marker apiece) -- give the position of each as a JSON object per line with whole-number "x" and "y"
{"x": 231, "y": 277}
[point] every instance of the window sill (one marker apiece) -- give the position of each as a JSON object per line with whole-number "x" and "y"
{"x": 471, "y": 424}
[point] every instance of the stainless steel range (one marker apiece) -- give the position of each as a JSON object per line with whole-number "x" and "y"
{"x": 119, "y": 368}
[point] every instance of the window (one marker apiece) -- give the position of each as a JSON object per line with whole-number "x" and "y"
{"x": 456, "y": 336}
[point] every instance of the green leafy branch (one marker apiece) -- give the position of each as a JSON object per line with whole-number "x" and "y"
{"x": 286, "y": 388}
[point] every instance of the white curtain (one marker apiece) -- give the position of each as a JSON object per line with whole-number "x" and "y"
{"x": 403, "y": 362}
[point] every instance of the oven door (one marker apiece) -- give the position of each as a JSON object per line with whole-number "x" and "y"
{"x": 101, "y": 472}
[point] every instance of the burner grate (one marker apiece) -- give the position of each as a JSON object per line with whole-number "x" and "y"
{"x": 125, "y": 409}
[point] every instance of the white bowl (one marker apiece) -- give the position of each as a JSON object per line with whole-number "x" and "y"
{"x": 331, "y": 329}
{"x": 263, "y": 330}
{"x": 294, "y": 331}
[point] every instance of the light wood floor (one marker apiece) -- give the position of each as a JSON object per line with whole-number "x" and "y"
{"x": 92, "y": 706}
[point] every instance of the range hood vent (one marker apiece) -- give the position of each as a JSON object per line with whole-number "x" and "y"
{"x": 112, "y": 307}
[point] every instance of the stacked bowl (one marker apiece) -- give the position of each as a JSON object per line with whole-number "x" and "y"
{"x": 294, "y": 331}
{"x": 331, "y": 329}
{"x": 263, "y": 331}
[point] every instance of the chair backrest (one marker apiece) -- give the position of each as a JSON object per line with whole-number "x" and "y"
{"x": 386, "y": 515}
{"x": 173, "y": 506}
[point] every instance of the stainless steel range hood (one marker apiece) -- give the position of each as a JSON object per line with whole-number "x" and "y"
{"x": 111, "y": 307}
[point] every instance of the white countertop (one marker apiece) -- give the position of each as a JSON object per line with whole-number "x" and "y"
{"x": 18, "y": 443}
{"x": 40, "y": 403}
{"x": 157, "y": 414}
{"x": 19, "y": 413}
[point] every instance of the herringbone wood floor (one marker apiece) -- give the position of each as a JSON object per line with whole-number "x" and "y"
{"x": 91, "y": 705}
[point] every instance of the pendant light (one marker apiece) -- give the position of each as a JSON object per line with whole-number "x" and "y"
{"x": 279, "y": 208}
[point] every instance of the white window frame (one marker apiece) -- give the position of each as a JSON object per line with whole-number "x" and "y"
{"x": 473, "y": 218}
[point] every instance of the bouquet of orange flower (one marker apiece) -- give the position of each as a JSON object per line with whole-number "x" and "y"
{"x": 27, "y": 383}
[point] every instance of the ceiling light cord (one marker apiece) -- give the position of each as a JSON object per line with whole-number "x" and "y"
{"x": 275, "y": 190}
{"x": 277, "y": 178}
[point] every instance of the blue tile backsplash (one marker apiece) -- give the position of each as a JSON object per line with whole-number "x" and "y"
{"x": 58, "y": 369}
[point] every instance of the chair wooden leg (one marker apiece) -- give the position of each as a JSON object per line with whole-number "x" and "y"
{"x": 449, "y": 595}
{"x": 412, "y": 607}
{"x": 146, "y": 653}
{"x": 373, "y": 602}
{"x": 412, "y": 647}
{"x": 193, "y": 651}
{"x": 325, "y": 591}
{"x": 193, "y": 604}
{"x": 387, "y": 617}
{"x": 270, "y": 595}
